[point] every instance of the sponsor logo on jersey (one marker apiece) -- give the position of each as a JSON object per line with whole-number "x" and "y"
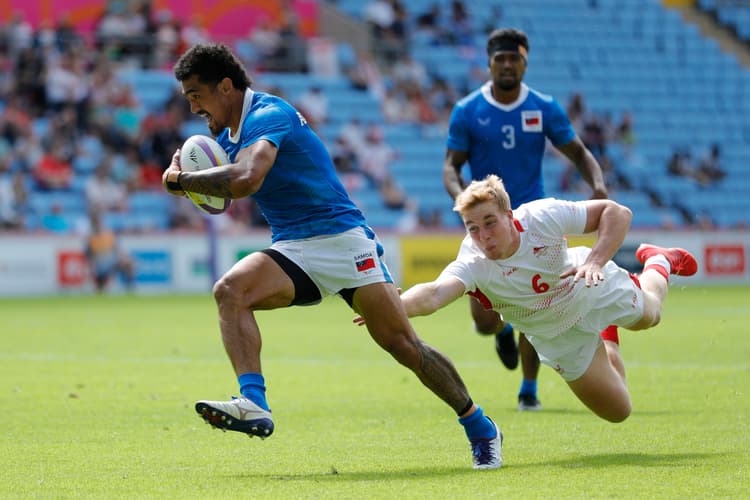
{"x": 539, "y": 251}
{"x": 531, "y": 120}
{"x": 509, "y": 271}
{"x": 484, "y": 121}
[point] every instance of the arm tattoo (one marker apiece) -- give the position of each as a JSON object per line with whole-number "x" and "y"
{"x": 218, "y": 183}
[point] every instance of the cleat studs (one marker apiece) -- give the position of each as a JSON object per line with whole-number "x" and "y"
{"x": 229, "y": 421}
{"x": 213, "y": 413}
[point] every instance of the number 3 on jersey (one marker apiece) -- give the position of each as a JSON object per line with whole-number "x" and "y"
{"x": 510, "y": 136}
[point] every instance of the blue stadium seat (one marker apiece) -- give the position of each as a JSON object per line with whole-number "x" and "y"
{"x": 69, "y": 202}
{"x": 149, "y": 202}
{"x": 152, "y": 88}
{"x": 194, "y": 127}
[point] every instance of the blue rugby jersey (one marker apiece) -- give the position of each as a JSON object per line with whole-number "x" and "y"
{"x": 301, "y": 196}
{"x": 509, "y": 140}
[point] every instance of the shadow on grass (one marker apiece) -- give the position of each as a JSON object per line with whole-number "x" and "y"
{"x": 381, "y": 475}
{"x": 660, "y": 413}
{"x": 586, "y": 412}
{"x": 627, "y": 459}
{"x": 604, "y": 460}
{"x": 553, "y": 411}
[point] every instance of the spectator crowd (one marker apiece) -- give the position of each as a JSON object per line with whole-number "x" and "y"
{"x": 70, "y": 124}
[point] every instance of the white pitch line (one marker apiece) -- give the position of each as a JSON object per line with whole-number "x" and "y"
{"x": 73, "y": 358}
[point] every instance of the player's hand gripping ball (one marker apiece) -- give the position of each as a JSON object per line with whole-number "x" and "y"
{"x": 200, "y": 152}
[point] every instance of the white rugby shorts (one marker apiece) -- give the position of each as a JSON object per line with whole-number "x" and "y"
{"x": 336, "y": 262}
{"x": 619, "y": 301}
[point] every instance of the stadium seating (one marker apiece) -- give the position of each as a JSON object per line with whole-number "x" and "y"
{"x": 630, "y": 55}
{"x": 152, "y": 87}
{"x": 626, "y": 55}
{"x": 735, "y": 15}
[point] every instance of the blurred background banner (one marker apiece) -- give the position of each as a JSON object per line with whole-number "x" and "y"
{"x": 179, "y": 263}
{"x": 423, "y": 257}
{"x": 225, "y": 19}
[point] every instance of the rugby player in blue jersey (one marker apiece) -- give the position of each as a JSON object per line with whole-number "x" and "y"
{"x": 501, "y": 128}
{"x": 321, "y": 245}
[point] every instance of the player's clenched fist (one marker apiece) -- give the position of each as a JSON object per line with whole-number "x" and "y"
{"x": 171, "y": 176}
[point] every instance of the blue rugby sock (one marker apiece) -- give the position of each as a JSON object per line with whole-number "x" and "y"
{"x": 528, "y": 387}
{"x": 477, "y": 425}
{"x": 253, "y": 387}
{"x": 507, "y": 330}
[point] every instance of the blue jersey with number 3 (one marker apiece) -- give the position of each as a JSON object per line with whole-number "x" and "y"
{"x": 509, "y": 139}
{"x": 301, "y": 196}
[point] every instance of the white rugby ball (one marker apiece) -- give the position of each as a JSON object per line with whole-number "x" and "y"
{"x": 200, "y": 152}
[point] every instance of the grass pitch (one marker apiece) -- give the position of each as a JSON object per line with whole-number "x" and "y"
{"x": 97, "y": 396}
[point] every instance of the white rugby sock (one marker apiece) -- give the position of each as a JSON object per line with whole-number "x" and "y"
{"x": 658, "y": 260}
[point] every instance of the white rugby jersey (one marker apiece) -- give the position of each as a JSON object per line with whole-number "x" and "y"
{"x": 526, "y": 288}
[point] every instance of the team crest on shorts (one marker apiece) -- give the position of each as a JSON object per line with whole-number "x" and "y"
{"x": 364, "y": 262}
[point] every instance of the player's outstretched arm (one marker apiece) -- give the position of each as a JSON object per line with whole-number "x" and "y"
{"x": 426, "y": 298}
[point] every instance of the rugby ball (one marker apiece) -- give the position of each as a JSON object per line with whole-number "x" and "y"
{"x": 200, "y": 152}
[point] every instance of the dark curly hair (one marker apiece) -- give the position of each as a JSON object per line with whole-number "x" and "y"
{"x": 212, "y": 63}
{"x": 504, "y": 37}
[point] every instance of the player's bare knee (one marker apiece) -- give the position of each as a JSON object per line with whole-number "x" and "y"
{"x": 656, "y": 319}
{"x": 652, "y": 318}
{"x": 224, "y": 292}
{"x": 482, "y": 331}
{"x": 615, "y": 411}
{"x": 619, "y": 414}
{"x": 487, "y": 327}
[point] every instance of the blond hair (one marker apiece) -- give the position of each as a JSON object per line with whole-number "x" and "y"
{"x": 489, "y": 189}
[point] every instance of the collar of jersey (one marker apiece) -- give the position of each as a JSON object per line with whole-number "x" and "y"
{"x": 247, "y": 103}
{"x": 487, "y": 93}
